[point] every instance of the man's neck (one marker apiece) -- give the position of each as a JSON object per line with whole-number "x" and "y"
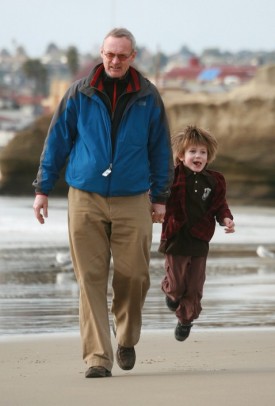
{"x": 124, "y": 77}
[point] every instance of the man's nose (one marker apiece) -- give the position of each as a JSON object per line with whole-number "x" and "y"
{"x": 116, "y": 59}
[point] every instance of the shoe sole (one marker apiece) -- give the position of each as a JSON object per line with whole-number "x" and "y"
{"x": 98, "y": 374}
{"x": 178, "y": 338}
{"x": 125, "y": 368}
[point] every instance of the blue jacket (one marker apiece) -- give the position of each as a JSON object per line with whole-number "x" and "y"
{"x": 80, "y": 135}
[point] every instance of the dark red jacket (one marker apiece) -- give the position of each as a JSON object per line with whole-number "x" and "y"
{"x": 176, "y": 215}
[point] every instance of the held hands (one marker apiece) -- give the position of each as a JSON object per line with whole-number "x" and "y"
{"x": 158, "y": 212}
{"x": 40, "y": 203}
{"x": 229, "y": 225}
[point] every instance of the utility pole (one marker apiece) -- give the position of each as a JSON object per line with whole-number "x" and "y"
{"x": 113, "y": 13}
{"x": 157, "y": 67}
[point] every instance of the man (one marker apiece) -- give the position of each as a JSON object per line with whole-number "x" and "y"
{"x": 112, "y": 131}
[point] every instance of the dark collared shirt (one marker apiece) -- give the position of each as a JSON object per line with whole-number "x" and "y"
{"x": 118, "y": 97}
{"x": 197, "y": 200}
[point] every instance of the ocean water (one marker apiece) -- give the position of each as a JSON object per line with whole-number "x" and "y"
{"x": 39, "y": 295}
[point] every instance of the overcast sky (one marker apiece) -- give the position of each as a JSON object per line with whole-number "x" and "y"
{"x": 157, "y": 24}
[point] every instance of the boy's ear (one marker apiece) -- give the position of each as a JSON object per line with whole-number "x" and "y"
{"x": 181, "y": 157}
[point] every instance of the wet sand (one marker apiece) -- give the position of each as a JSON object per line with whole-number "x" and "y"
{"x": 217, "y": 368}
{"x": 37, "y": 297}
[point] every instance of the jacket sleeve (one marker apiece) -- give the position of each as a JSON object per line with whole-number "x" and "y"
{"x": 220, "y": 204}
{"x": 160, "y": 153}
{"x": 58, "y": 143}
{"x": 217, "y": 212}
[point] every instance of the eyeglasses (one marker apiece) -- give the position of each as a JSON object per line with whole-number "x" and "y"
{"x": 122, "y": 57}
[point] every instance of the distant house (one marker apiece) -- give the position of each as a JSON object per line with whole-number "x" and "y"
{"x": 179, "y": 75}
{"x": 195, "y": 74}
{"x": 227, "y": 74}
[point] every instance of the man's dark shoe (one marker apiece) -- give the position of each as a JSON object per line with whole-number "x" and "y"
{"x": 97, "y": 372}
{"x": 171, "y": 304}
{"x": 182, "y": 331}
{"x": 126, "y": 357}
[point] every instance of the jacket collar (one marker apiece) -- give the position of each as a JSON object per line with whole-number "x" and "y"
{"x": 98, "y": 75}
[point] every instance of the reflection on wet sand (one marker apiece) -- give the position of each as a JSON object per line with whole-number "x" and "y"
{"x": 36, "y": 296}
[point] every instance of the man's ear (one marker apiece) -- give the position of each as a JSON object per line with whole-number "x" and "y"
{"x": 133, "y": 56}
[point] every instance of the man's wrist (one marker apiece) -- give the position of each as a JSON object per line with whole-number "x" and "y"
{"x": 40, "y": 194}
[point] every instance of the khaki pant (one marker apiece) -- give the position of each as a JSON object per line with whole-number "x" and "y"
{"x": 99, "y": 228}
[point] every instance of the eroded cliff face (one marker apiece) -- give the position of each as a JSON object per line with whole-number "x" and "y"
{"x": 243, "y": 121}
{"x": 19, "y": 160}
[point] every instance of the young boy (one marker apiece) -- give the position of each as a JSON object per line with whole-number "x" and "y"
{"x": 196, "y": 202}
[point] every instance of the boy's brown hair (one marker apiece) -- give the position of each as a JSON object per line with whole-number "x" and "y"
{"x": 193, "y": 135}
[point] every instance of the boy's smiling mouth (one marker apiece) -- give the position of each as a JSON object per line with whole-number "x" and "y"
{"x": 197, "y": 163}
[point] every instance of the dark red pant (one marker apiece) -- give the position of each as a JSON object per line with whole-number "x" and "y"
{"x": 183, "y": 282}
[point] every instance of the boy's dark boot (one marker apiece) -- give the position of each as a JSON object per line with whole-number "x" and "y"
{"x": 171, "y": 304}
{"x": 182, "y": 331}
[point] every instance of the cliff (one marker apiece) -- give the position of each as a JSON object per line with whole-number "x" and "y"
{"x": 19, "y": 160}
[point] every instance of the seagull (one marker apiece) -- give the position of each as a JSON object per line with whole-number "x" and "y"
{"x": 263, "y": 252}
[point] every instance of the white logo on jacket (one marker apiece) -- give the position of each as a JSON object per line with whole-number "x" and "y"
{"x": 206, "y": 193}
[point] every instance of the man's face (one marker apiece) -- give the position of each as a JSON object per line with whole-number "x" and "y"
{"x": 117, "y": 55}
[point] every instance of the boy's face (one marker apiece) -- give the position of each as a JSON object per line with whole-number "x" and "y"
{"x": 195, "y": 157}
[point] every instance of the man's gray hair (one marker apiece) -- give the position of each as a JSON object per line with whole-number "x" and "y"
{"x": 122, "y": 32}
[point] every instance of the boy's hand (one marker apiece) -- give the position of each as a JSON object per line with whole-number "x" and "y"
{"x": 229, "y": 225}
{"x": 158, "y": 212}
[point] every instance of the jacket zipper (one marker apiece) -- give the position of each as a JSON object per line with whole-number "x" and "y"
{"x": 108, "y": 171}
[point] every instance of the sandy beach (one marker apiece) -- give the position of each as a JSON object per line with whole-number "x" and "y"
{"x": 218, "y": 367}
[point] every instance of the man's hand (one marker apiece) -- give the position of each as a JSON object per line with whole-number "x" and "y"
{"x": 40, "y": 203}
{"x": 158, "y": 212}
